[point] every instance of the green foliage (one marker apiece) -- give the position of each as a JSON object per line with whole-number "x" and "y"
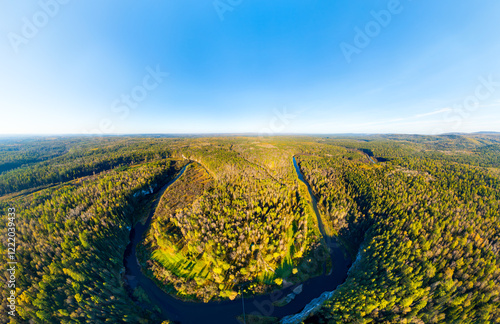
{"x": 427, "y": 231}
{"x": 230, "y": 220}
{"x": 420, "y": 213}
{"x": 71, "y": 242}
{"x": 62, "y": 160}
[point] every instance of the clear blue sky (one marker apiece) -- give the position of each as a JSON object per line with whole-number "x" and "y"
{"x": 257, "y": 66}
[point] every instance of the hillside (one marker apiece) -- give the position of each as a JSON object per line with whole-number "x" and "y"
{"x": 417, "y": 215}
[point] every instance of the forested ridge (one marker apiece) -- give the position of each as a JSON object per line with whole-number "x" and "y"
{"x": 419, "y": 214}
{"x": 70, "y": 245}
{"x": 72, "y": 162}
{"x": 230, "y": 224}
{"x": 429, "y": 237}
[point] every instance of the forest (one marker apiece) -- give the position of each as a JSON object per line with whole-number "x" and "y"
{"x": 233, "y": 219}
{"x": 417, "y": 215}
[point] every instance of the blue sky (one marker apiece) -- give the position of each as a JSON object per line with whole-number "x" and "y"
{"x": 204, "y": 66}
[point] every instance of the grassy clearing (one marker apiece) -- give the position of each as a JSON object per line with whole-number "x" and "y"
{"x": 244, "y": 229}
{"x": 179, "y": 264}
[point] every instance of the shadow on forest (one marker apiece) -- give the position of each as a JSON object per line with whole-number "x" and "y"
{"x": 336, "y": 250}
{"x": 226, "y": 311}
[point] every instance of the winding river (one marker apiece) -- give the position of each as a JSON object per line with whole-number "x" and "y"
{"x": 226, "y": 312}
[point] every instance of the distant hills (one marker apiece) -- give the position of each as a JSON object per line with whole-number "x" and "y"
{"x": 476, "y": 133}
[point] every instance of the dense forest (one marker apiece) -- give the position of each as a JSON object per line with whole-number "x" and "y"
{"x": 427, "y": 233}
{"x": 418, "y": 215}
{"x": 232, "y": 219}
{"x": 70, "y": 244}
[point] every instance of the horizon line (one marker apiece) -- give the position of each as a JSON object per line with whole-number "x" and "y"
{"x": 252, "y": 134}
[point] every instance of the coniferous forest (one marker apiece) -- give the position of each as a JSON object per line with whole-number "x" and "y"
{"x": 228, "y": 218}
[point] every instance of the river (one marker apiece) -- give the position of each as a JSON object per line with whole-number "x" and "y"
{"x": 226, "y": 312}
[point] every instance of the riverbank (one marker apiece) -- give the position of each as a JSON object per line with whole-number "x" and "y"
{"x": 227, "y": 311}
